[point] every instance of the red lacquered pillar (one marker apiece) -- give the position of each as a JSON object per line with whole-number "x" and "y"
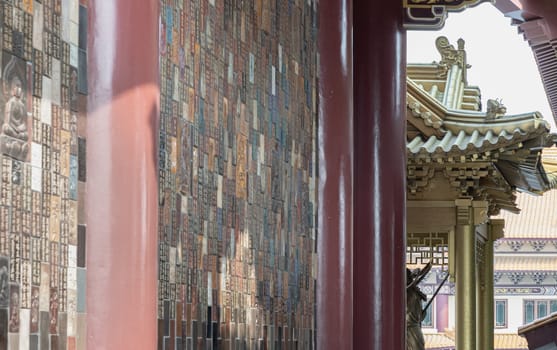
{"x": 379, "y": 175}
{"x": 334, "y": 243}
{"x": 123, "y": 110}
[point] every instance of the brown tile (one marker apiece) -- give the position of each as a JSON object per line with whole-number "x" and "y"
{"x": 3, "y": 328}
{"x": 81, "y": 121}
{"x": 35, "y": 315}
{"x": 55, "y": 218}
{"x": 55, "y": 342}
{"x": 172, "y": 339}
{"x": 81, "y": 193}
{"x": 179, "y": 317}
{"x": 13, "y": 321}
{"x": 160, "y": 334}
{"x": 82, "y": 158}
{"x": 71, "y": 343}
{"x": 53, "y": 311}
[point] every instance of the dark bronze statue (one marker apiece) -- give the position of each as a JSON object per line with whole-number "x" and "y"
{"x": 414, "y": 312}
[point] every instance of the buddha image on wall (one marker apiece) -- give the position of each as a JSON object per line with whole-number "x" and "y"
{"x": 14, "y": 132}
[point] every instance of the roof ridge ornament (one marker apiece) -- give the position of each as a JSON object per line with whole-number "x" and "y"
{"x": 431, "y": 14}
{"x": 495, "y": 109}
{"x": 451, "y": 56}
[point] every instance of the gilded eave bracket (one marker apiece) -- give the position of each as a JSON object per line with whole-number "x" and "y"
{"x": 431, "y": 14}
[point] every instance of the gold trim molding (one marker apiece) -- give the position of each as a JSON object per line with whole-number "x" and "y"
{"x": 431, "y": 14}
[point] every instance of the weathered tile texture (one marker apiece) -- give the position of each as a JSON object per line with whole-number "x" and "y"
{"x": 41, "y": 166}
{"x": 237, "y": 174}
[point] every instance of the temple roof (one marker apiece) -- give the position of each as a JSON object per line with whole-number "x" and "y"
{"x": 538, "y": 219}
{"x": 490, "y": 154}
{"x": 502, "y": 341}
{"x": 525, "y": 263}
{"x": 438, "y": 341}
{"x": 509, "y": 342}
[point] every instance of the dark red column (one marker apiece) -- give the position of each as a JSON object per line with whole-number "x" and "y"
{"x": 123, "y": 109}
{"x": 334, "y": 243}
{"x": 379, "y": 175}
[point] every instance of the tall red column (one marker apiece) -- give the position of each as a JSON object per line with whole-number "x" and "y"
{"x": 123, "y": 109}
{"x": 334, "y": 243}
{"x": 379, "y": 175}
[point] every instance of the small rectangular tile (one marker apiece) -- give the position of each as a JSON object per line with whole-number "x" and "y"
{"x": 81, "y": 290}
{"x": 56, "y": 81}
{"x": 33, "y": 342}
{"x": 82, "y": 159}
{"x": 4, "y": 277}
{"x": 38, "y": 26}
{"x": 74, "y": 56}
{"x": 44, "y": 326}
{"x": 74, "y": 11}
{"x": 24, "y": 323}
{"x": 81, "y": 337}
{"x": 72, "y": 343}
{"x": 35, "y": 312}
{"x": 82, "y": 72}
{"x": 3, "y": 328}
{"x": 55, "y": 341}
{"x": 13, "y": 342}
{"x": 83, "y": 27}
{"x": 46, "y": 104}
{"x": 81, "y": 245}
{"x": 81, "y": 213}
{"x": 63, "y": 329}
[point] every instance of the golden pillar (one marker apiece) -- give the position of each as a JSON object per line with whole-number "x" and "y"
{"x": 486, "y": 292}
{"x": 465, "y": 271}
{"x": 484, "y": 289}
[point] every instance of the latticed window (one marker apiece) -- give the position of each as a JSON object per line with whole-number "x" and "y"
{"x": 500, "y": 313}
{"x": 535, "y": 309}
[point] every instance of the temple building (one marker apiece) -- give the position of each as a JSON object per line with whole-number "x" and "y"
{"x": 464, "y": 166}
{"x": 524, "y": 275}
{"x": 246, "y": 174}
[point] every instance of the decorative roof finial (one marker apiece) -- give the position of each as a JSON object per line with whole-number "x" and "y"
{"x": 495, "y": 109}
{"x": 451, "y": 56}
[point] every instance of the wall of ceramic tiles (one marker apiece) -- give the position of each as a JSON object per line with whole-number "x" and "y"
{"x": 237, "y": 174}
{"x": 42, "y": 174}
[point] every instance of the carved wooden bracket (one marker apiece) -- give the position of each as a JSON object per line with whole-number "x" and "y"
{"x": 431, "y": 14}
{"x": 464, "y": 214}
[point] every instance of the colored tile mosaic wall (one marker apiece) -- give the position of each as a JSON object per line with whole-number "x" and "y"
{"x": 42, "y": 174}
{"x": 237, "y": 174}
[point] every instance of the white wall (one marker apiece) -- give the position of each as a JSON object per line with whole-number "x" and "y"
{"x": 515, "y": 305}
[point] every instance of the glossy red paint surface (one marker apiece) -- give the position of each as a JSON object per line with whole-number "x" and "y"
{"x": 122, "y": 205}
{"x": 334, "y": 243}
{"x": 542, "y": 11}
{"x": 379, "y": 175}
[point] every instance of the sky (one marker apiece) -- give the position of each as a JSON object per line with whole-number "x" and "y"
{"x": 503, "y": 65}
